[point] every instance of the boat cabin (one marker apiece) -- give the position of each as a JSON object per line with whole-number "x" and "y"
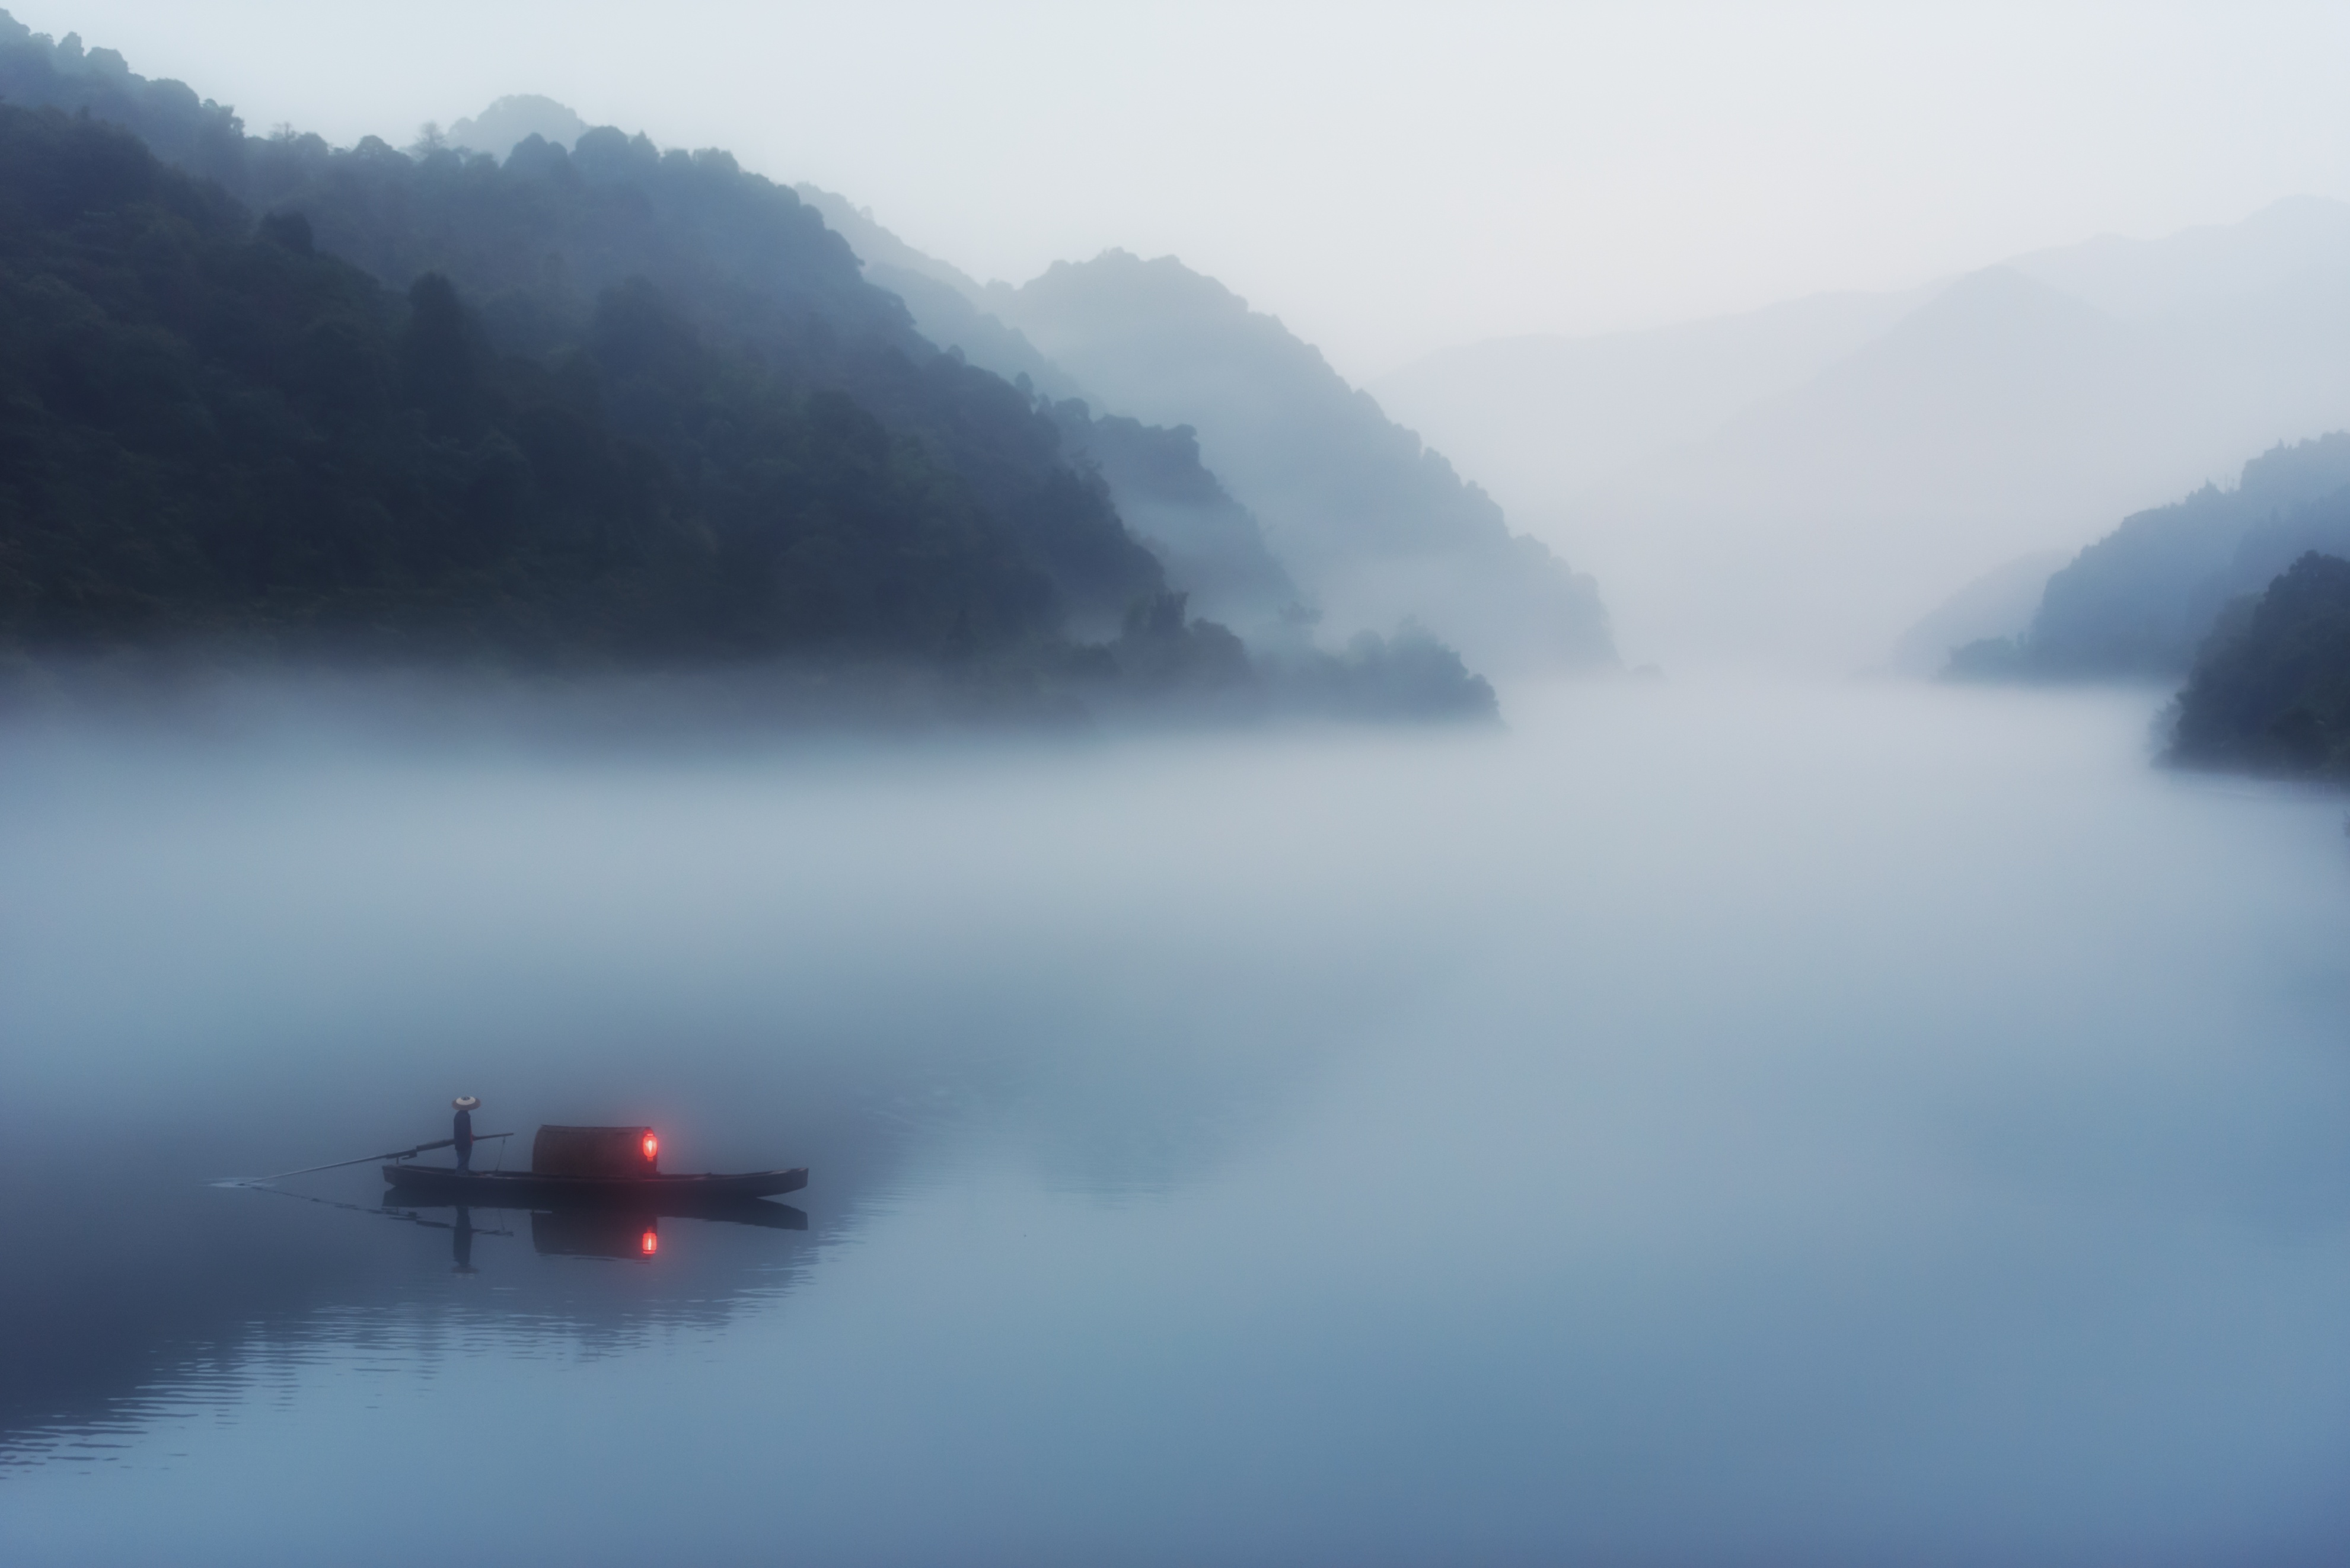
{"x": 595, "y": 1152}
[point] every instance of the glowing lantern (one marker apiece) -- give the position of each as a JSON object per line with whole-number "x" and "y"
{"x": 651, "y": 1243}
{"x": 592, "y": 1151}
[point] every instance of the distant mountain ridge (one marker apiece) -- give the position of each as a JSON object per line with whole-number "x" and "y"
{"x": 511, "y": 122}
{"x": 1376, "y": 526}
{"x": 1909, "y": 443}
{"x": 1553, "y": 415}
{"x": 2138, "y": 603}
{"x": 1998, "y": 605}
{"x": 1368, "y": 523}
{"x": 1371, "y": 526}
{"x": 2136, "y": 279}
{"x": 1212, "y": 543}
{"x": 945, "y": 301}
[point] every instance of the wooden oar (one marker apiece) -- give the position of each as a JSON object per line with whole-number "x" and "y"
{"x": 363, "y": 1159}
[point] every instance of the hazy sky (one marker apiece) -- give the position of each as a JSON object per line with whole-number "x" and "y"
{"x": 1387, "y": 179}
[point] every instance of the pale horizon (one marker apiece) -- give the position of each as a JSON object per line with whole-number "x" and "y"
{"x": 1386, "y": 180}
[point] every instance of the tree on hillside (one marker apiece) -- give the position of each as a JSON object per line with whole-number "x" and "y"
{"x": 2270, "y": 691}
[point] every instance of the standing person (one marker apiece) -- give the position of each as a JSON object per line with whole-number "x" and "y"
{"x": 463, "y": 1136}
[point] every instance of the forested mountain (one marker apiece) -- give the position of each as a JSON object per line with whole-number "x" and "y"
{"x": 2139, "y": 602}
{"x": 614, "y": 404}
{"x": 1211, "y": 544}
{"x": 214, "y": 430}
{"x": 2271, "y": 690}
{"x": 727, "y": 260}
{"x": 944, "y": 300}
{"x": 1328, "y": 509}
{"x": 194, "y": 133}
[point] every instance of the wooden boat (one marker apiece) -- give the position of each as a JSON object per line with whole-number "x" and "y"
{"x": 526, "y": 1189}
{"x": 575, "y": 1166}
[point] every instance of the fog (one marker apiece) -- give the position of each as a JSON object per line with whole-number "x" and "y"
{"x": 1385, "y": 178}
{"x": 1056, "y": 615}
{"x": 1782, "y": 326}
{"x": 1804, "y": 484}
{"x": 1704, "y": 1122}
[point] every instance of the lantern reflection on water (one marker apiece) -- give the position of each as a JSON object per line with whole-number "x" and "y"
{"x": 590, "y": 1233}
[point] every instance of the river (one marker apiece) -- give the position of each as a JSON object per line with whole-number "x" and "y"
{"x": 1703, "y": 1123}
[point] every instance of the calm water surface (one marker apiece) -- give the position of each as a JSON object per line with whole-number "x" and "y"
{"x": 1706, "y": 1124}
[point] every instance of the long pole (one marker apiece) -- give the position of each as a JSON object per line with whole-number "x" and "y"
{"x": 338, "y": 1165}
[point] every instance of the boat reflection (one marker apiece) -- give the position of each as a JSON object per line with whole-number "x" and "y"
{"x": 592, "y": 1230}
{"x": 584, "y": 1227}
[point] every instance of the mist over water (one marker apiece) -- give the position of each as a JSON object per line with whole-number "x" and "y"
{"x": 1706, "y": 1122}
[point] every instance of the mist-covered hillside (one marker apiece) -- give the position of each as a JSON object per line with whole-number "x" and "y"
{"x": 511, "y": 122}
{"x": 2269, "y": 693}
{"x": 2008, "y": 412}
{"x": 805, "y": 474}
{"x": 944, "y": 301}
{"x": 1375, "y": 525}
{"x": 1360, "y": 521}
{"x": 537, "y": 240}
{"x": 1999, "y": 604}
{"x": 214, "y": 432}
{"x": 1210, "y": 542}
{"x": 632, "y": 406}
{"x": 2137, "y": 604}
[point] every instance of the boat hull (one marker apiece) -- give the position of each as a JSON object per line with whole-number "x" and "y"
{"x": 523, "y": 1189}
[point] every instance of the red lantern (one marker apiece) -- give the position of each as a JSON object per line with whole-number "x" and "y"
{"x": 652, "y": 1151}
{"x": 651, "y": 1243}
